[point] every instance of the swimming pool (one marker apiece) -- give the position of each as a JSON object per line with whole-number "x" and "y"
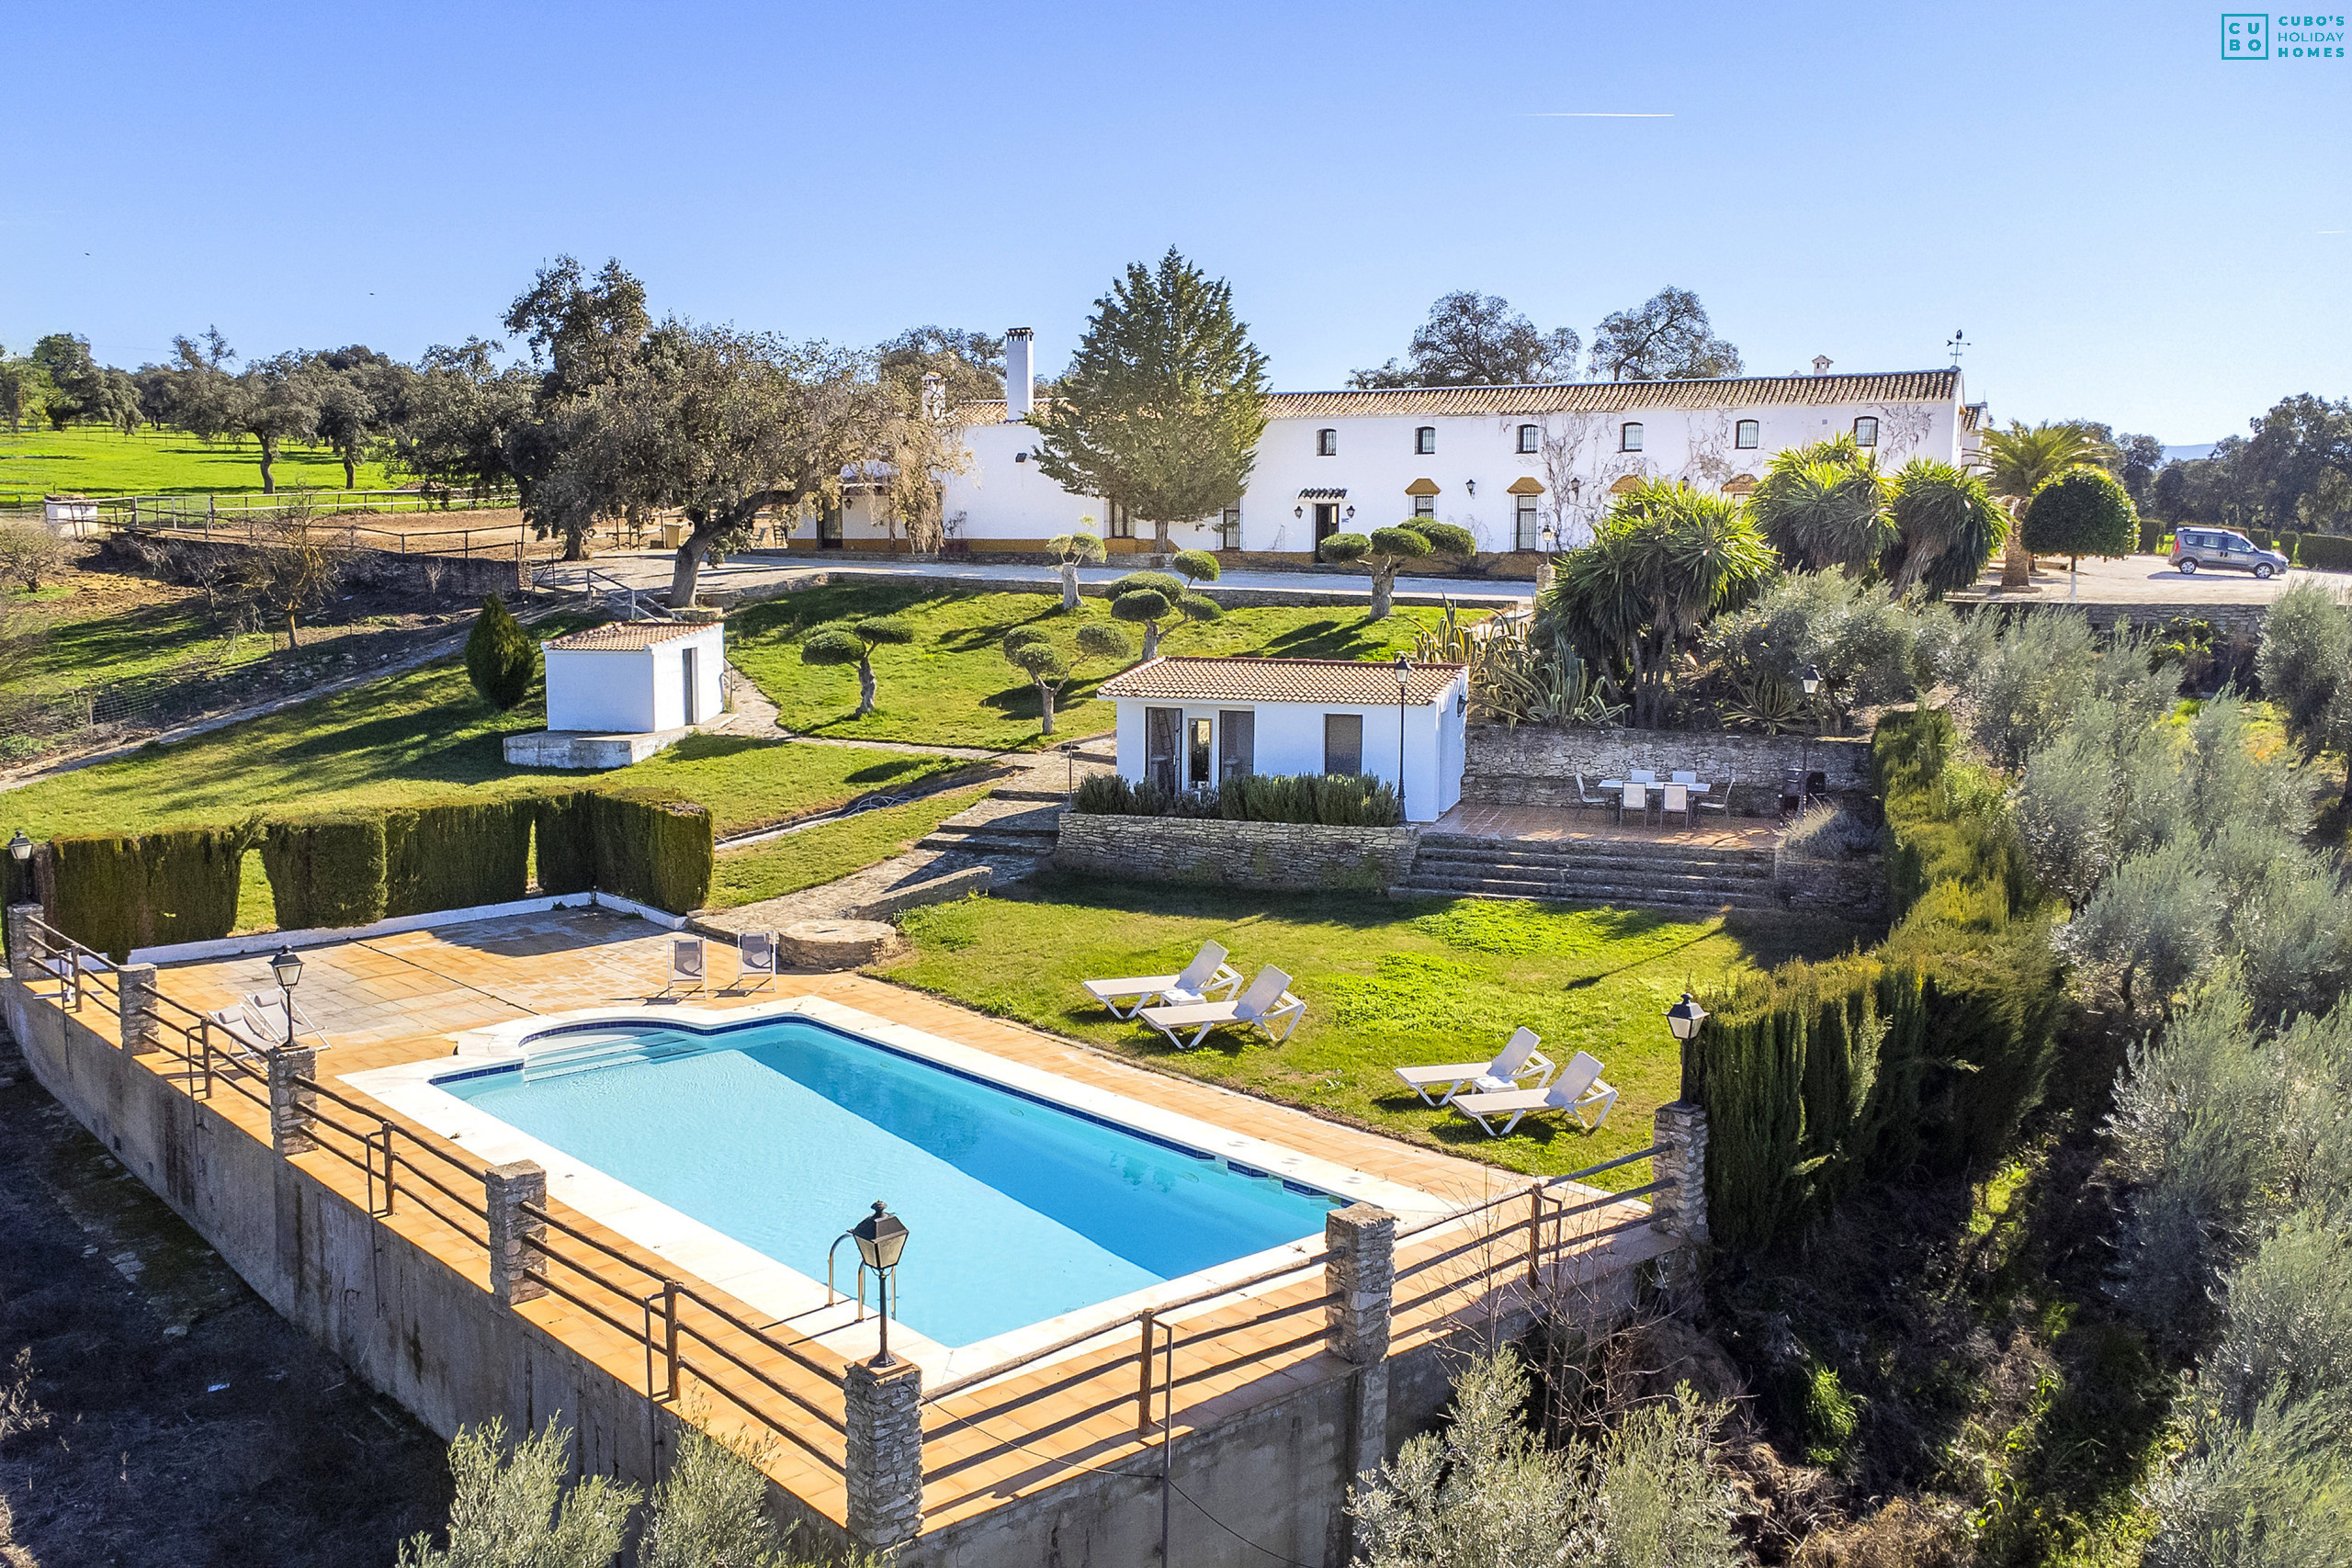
{"x": 780, "y": 1133}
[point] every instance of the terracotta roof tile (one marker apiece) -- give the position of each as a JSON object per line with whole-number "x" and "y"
{"x": 623, "y": 637}
{"x": 1595, "y": 397}
{"x": 1354, "y": 683}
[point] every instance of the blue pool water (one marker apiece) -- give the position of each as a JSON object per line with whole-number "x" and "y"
{"x": 782, "y": 1133}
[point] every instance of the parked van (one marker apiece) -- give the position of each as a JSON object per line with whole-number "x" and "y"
{"x": 2194, "y": 548}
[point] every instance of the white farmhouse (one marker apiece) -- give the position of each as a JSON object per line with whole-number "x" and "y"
{"x": 1523, "y": 467}
{"x": 618, "y": 692}
{"x": 1193, "y": 723}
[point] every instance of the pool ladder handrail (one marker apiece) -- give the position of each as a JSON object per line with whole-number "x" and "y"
{"x": 889, "y": 1305}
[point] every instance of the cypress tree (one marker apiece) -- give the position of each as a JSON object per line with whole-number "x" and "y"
{"x": 500, "y": 659}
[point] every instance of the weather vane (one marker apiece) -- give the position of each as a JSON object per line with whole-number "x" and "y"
{"x": 1957, "y": 345}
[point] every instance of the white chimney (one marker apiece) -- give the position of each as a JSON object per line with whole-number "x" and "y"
{"x": 1020, "y": 372}
{"x": 1821, "y": 363}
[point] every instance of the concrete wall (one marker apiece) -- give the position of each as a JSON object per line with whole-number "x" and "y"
{"x": 1535, "y": 765}
{"x": 1209, "y": 852}
{"x": 1289, "y": 740}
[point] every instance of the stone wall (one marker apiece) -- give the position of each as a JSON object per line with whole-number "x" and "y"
{"x": 1850, "y": 889}
{"x": 2224, "y": 617}
{"x": 471, "y": 576}
{"x": 1210, "y": 852}
{"x": 1535, "y": 765}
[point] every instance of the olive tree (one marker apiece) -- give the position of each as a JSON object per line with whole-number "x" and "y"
{"x": 1147, "y": 598}
{"x": 1384, "y": 550}
{"x": 853, "y": 643}
{"x": 513, "y": 1505}
{"x": 1073, "y": 551}
{"x": 1030, "y": 651}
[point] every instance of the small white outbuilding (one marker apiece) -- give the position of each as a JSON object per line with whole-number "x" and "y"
{"x": 618, "y": 692}
{"x": 1193, "y": 723}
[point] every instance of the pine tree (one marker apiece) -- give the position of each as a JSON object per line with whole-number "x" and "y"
{"x": 1162, "y": 406}
{"x": 501, "y": 659}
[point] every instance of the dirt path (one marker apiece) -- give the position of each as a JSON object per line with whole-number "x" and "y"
{"x": 188, "y": 1424}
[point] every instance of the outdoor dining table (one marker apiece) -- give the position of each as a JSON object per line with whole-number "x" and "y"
{"x": 1618, "y": 787}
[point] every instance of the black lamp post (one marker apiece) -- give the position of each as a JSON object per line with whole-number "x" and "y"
{"x": 1684, "y": 1019}
{"x": 287, "y": 966}
{"x": 20, "y": 853}
{"x": 1811, "y": 681}
{"x": 1404, "y": 671}
{"x": 881, "y": 1237}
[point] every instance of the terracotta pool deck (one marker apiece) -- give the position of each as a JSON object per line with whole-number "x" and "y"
{"x": 397, "y": 1000}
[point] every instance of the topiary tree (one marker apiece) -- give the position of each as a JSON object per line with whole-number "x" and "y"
{"x": 1198, "y": 566}
{"x": 1147, "y": 598}
{"x": 1075, "y": 549}
{"x": 854, "y": 642}
{"x": 500, "y": 659}
{"x": 1031, "y": 652}
{"x": 1388, "y": 548}
{"x": 2082, "y": 512}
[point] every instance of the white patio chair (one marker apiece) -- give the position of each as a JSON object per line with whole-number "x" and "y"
{"x": 1641, "y": 775}
{"x": 1636, "y": 798}
{"x": 1581, "y": 1089}
{"x": 1683, "y": 777}
{"x": 267, "y": 1011}
{"x": 1516, "y": 1060}
{"x": 1209, "y": 978}
{"x": 1708, "y": 803}
{"x": 1675, "y": 798}
{"x": 1267, "y": 1001}
{"x": 689, "y": 966}
{"x": 1584, "y": 802}
{"x": 755, "y": 959}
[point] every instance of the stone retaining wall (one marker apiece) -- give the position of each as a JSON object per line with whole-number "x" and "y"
{"x": 1535, "y": 765}
{"x": 1213, "y": 852}
{"x": 1850, "y": 889}
{"x": 471, "y": 576}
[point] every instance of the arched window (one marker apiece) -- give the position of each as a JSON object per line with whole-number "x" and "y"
{"x": 1527, "y": 438}
{"x": 1425, "y": 441}
{"x": 1746, "y": 435}
{"x": 1326, "y": 443}
{"x": 1866, "y": 432}
{"x": 1629, "y": 439}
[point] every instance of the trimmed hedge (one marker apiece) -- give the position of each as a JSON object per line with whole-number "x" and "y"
{"x": 652, "y": 848}
{"x": 567, "y": 854}
{"x": 114, "y": 893}
{"x": 2324, "y": 552}
{"x": 326, "y": 872}
{"x": 458, "y": 856}
{"x": 1919, "y": 1057}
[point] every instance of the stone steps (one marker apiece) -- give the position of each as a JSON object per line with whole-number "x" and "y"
{"x": 1650, "y": 898}
{"x": 1609, "y": 871}
{"x": 988, "y": 841}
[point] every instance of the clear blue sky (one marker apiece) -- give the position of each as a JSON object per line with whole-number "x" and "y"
{"x": 2128, "y": 227}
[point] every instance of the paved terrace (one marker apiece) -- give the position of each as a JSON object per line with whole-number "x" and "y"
{"x": 1548, "y": 825}
{"x": 398, "y": 999}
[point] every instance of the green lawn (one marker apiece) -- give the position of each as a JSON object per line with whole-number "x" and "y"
{"x": 952, "y": 686}
{"x": 815, "y": 856}
{"x": 1385, "y": 983}
{"x": 97, "y": 643}
{"x": 89, "y": 460}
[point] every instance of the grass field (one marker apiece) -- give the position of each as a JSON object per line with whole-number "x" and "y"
{"x": 952, "y": 686}
{"x": 1385, "y": 983}
{"x": 827, "y": 853}
{"x": 87, "y": 460}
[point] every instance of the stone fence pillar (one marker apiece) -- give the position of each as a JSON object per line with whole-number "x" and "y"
{"x": 1361, "y": 1275}
{"x": 1680, "y": 1207}
{"x": 505, "y": 1188}
{"x": 882, "y": 1409}
{"x": 20, "y": 940}
{"x": 290, "y": 1103}
{"x": 136, "y": 992}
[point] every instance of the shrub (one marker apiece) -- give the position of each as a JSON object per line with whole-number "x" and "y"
{"x": 1830, "y": 833}
{"x": 458, "y": 856}
{"x": 2084, "y": 512}
{"x": 30, "y": 554}
{"x": 501, "y": 659}
{"x": 2325, "y": 552}
{"x": 1334, "y": 801}
{"x": 2305, "y": 653}
{"x": 514, "y": 1508}
{"x": 100, "y": 888}
{"x": 326, "y": 872}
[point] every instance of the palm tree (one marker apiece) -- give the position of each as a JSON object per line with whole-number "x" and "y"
{"x": 2018, "y": 461}
{"x": 1946, "y": 527}
{"x": 1824, "y": 505}
{"x": 1663, "y": 560}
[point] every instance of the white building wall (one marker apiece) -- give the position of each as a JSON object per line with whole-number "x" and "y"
{"x": 1288, "y": 739}
{"x": 1579, "y": 456}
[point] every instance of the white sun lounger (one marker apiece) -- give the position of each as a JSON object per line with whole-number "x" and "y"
{"x": 267, "y": 1013}
{"x": 1266, "y": 1000}
{"x": 1209, "y": 978}
{"x": 247, "y": 1036}
{"x": 1581, "y": 1089}
{"x": 1517, "y": 1059}
{"x": 689, "y": 966}
{"x": 756, "y": 960}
